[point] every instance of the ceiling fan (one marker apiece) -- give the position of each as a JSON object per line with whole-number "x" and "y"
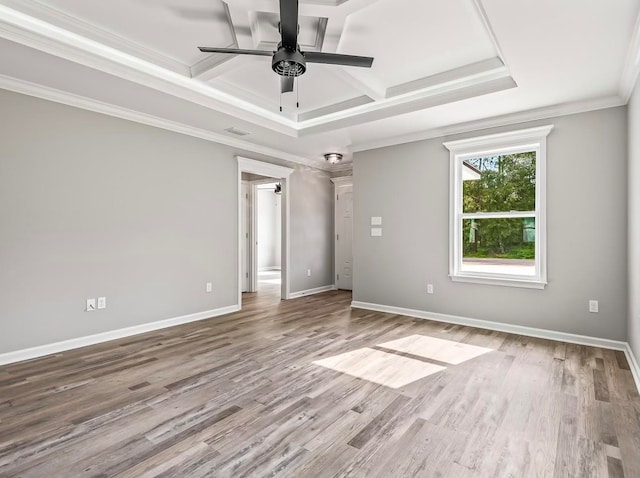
{"x": 288, "y": 61}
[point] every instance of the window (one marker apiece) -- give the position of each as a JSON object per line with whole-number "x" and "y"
{"x": 497, "y": 218}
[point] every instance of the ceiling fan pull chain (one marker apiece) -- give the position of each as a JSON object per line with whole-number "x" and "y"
{"x": 298, "y": 93}
{"x": 280, "y": 102}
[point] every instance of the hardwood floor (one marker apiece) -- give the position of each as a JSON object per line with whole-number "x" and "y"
{"x": 240, "y": 395}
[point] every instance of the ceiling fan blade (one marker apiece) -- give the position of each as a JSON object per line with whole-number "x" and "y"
{"x": 286, "y": 84}
{"x": 234, "y": 51}
{"x": 337, "y": 59}
{"x": 289, "y": 23}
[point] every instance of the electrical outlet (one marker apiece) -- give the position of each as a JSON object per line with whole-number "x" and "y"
{"x": 91, "y": 305}
{"x": 209, "y": 287}
{"x": 102, "y": 302}
{"x": 429, "y": 288}
{"x": 593, "y": 306}
{"x": 308, "y": 272}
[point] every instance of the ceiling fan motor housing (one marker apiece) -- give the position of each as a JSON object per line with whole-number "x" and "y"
{"x": 287, "y": 62}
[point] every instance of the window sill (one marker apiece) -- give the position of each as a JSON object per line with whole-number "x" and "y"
{"x": 500, "y": 281}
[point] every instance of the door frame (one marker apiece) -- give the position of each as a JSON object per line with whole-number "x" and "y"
{"x": 281, "y": 173}
{"x": 341, "y": 182}
{"x": 245, "y": 222}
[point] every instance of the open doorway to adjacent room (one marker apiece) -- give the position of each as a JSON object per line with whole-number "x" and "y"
{"x": 268, "y": 225}
{"x": 263, "y": 232}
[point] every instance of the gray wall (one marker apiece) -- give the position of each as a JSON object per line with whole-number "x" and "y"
{"x": 587, "y": 233}
{"x": 311, "y": 227}
{"x": 92, "y": 205}
{"x": 634, "y": 221}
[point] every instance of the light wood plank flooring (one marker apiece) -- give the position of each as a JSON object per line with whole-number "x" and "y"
{"x": 240, "y": 395}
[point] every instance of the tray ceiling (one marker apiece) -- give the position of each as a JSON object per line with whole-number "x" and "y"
{"x": 431, "y": 59}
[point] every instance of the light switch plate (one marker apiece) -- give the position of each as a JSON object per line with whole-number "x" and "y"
{"x": 102, "y": 302}
{"x": 376, "y": 231}
{"x": 209, "y": 287}
{"x": 376, "y": 220}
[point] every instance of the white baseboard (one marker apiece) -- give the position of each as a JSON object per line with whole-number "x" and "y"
{"x": 633, "y": 365}
{"x": 514, "y": 329}
{"x": 317, "y": 290}
{"x": 57, "y": 347}
{"x": 498, "y": 326}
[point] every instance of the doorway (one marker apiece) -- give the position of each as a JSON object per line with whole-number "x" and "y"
{"x": 268, "y": 254}
{"x": 268, "y": 233}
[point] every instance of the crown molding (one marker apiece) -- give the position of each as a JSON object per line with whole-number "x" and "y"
{"x": 34, "y": 33}
{"x": 261, "y": 101}
{"x": 498, "y": 139}
{"x": 632, "y": 65}
{"x": 82, "y": 102}
{"x": 423, "y": 99}
{"x": 141, "y": 68}
{"x": 87, "y": 29}
{"x": 340, "y": 106}
{"x": 494, "y": 122}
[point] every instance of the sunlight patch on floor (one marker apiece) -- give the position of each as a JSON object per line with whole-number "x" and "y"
{"x": 386, "y": 369}
{"x": 395, "y": 371}
{"x": 436, "y": 349}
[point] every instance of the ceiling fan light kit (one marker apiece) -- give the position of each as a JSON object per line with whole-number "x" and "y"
{"x": 288, "y": 61}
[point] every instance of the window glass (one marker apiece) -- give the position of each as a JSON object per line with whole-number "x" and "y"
{"x": 499, "y": 183}
{"x": 499, "y": 246}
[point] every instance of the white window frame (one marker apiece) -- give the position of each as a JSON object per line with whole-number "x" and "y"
{"x": 532, "y": 139}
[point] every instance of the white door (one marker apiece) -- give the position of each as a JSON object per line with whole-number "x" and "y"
{"x": 245, "y": 236}
{"x": 344, "y": 236}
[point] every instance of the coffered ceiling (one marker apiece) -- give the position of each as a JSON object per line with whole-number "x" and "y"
{"x": 440, "y": 65}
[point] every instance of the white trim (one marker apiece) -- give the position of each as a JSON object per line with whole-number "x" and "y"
{"x": 530, "y": 139}
{"x": 633, "y": 365}
{"x": 504, "y": 281}
{"x": 497, "y": 326}
{"x": 85, "y": 103}
{"x": 263, "y": 168}
{"x": 57, "y": 347}
{"x": 513, "y": 329}
{"x": 113, "y": 55}
{"x": 46, "y": 13}
{"x": 436, "y": 95}
{"x": 342, "y": 181}
{"x": 33, "y": 32}
{"x": 316, "y": 290}
{"x": 246, "y": 165}
{"x": 479, "y": 145}
{"x": 494, "y": 122}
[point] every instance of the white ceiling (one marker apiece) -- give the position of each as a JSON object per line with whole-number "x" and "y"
{"x": 440, "y": 66}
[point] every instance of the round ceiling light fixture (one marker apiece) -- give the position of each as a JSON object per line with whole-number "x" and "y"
{"x": 333, "y": 158}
